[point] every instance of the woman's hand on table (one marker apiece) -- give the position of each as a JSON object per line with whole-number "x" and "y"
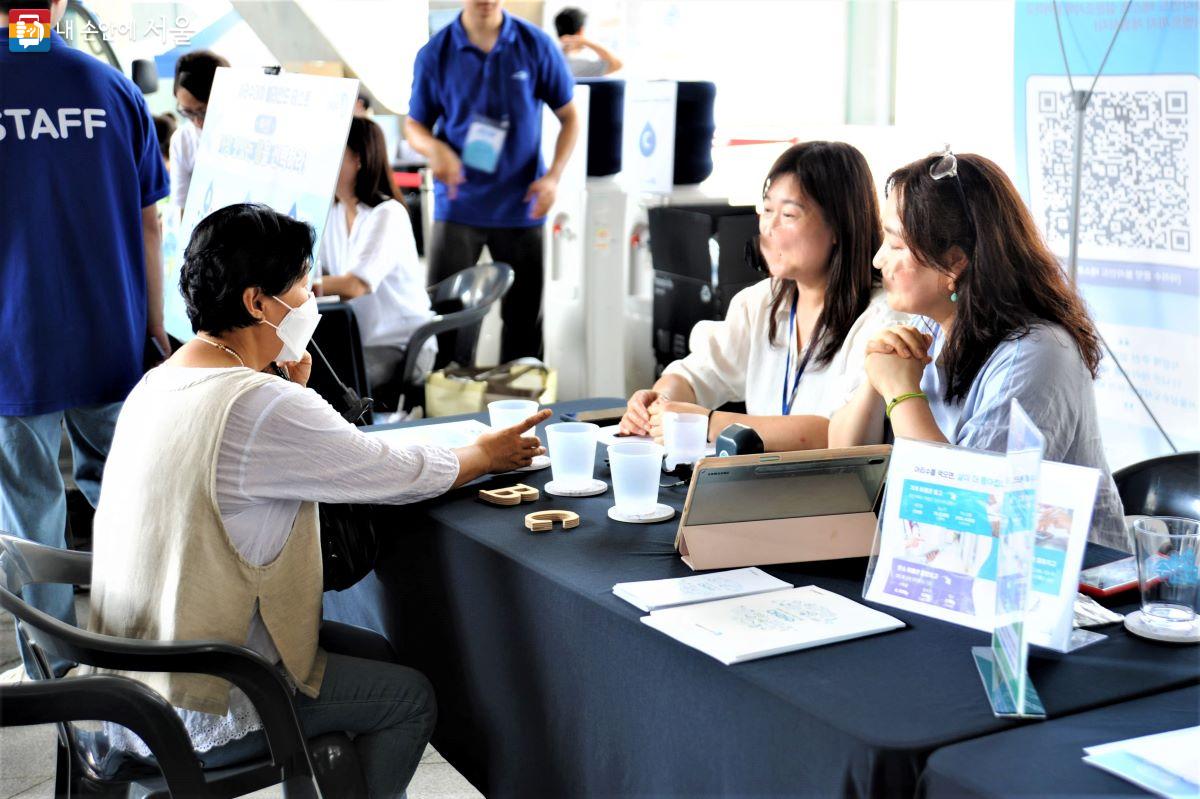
{"x": 670, "y": 406}
{"x": 510, "y": 448}
{"x": 636, "y": 421}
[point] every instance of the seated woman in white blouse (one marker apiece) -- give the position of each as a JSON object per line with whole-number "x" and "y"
{"x": 207, "y": 524}
{"x": 792, "y": 346}
{"x": 368, "y": 256}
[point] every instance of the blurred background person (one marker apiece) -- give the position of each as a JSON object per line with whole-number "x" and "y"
{"x": 164, "y": 128}
{"x": 194, "y": 74}
{"x": 585, "y": 58}
{"x": 491, "y": 187}
{"x": 362, "y": 106}
{"x": 368, "y": 256}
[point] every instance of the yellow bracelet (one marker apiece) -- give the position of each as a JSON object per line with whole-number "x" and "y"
{"x": 891, "y": 406}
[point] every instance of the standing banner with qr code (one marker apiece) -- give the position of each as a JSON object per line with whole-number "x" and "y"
{"x": 1139, "y": 220}
{"x": 272, "y": 139}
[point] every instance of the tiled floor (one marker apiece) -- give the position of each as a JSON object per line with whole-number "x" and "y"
{"x": 27, "y": 755}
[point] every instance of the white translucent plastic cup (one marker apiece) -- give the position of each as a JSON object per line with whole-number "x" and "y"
{"x": 685, "y": 436}
{"x": 636, "y": 467}
{"x": 572, "y": 452}
{"x": 1168, "y": 563}
{"x": 506, "y": 413}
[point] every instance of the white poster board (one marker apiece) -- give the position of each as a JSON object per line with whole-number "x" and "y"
{"x": 271, "y": 139}
{"x": 937, "y": 554}
{"x": 648, "y": 139}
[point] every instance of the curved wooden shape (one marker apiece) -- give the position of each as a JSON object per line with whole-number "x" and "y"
{"x": 544, "y": 520}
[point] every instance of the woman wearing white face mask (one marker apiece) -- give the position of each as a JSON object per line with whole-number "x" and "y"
{"x": 207, "y": 523}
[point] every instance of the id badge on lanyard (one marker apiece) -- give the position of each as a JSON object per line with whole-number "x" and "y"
{"x": 485, "y": 142}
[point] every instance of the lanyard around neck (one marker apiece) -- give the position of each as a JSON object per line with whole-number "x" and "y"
{"x": 787, "y": 400}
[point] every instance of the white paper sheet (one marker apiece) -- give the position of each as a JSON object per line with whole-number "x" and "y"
{"x": 652, "y": 595}
{"x": 746, "y": 628}
{"x": 607, "y": 436}
{"x": 1165, "y": 763}
{"x": 447, "y": 434}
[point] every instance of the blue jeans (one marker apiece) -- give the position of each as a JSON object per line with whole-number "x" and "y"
{"x": 389, "y": 710}
{"x": 33, "y": 504}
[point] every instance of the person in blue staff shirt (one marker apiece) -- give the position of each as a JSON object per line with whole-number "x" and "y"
{"x": 996, "y": 321}
{"x": 479, "y": 85}
{"x": 80, "y": 274}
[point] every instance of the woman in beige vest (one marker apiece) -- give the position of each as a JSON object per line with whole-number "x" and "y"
{"x": 207, "y": 522}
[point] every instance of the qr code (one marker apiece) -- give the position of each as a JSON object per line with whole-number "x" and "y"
{"x": 1140, "y": 188}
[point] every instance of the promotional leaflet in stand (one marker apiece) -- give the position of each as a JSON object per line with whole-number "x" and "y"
{"x": 936, "y": 551}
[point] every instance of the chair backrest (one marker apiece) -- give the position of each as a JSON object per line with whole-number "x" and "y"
{"x": 1168, "y": 485}
{"x": 24, "y": 563}
{"x": 108, "y": 698}
{"x": 465, "y": 298}
{"x": 460, "y": 303}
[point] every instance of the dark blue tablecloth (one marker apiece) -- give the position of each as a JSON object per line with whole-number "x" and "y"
{"x": 1045, "y": 759}
{"x": 548, "y": 685}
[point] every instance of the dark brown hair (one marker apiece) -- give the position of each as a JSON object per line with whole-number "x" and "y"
{"x": 1011, "y": 281}
{"x": 374, "y": 183}
{"x": 835, "y": 176}
{"x": 195, "y": 71}
{"x": 164, "y": 128}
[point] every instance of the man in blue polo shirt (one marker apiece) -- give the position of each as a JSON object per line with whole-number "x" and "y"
{"x": 482, "y": 81}
{"x": 80, "y": 269}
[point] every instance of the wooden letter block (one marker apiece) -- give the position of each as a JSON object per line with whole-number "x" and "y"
{"x": 544, "y": 520}
{"x": 513, "y": 495}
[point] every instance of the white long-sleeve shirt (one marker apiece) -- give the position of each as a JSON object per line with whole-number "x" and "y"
{"x": 185, "y": 141}
{"x": 379, "y": 249}
{"x": 733, "y": 360}
{"x": 283, "y": 444}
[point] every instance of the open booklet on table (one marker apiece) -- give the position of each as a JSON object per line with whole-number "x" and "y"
{"x": 745, "y": 614}
{"x": 1166, "y": 763}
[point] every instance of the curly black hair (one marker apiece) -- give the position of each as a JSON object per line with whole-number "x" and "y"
{"x": 239, "y": 247}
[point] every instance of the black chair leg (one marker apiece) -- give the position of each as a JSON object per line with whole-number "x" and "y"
{"x": 63, "y": 789}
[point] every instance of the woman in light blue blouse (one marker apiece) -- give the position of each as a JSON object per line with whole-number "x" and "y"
{"x": 996, "y": 321}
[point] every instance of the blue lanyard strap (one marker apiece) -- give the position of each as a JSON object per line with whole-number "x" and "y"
{"x": 786, "y": 400}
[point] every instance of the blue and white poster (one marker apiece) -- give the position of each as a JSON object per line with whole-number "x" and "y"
{"x": 1139, "y": 206}
{"x": 272, "y": 139}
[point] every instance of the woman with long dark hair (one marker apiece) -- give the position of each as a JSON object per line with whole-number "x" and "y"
{"x": 792, "y": 346}
{"x": 368, "y": 255}
{"x": 997, "y": 321}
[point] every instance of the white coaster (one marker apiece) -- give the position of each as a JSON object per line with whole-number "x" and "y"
{"x": 539, "y": 462}
{"x": 589, "y": 489}
{"x": 660, "y": 514}
{"x": 1184, "y": 634}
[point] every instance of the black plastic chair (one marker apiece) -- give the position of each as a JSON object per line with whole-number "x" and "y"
{"x": 107, "y": 698}
{"x": 460, "y": 303}
{"x": 1168, "y": 485}
{"x": 83, "y": 757}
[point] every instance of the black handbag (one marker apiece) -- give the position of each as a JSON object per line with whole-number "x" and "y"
{"x": 349, "y": 544}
